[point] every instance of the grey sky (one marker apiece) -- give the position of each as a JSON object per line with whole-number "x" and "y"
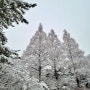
{"x": 72, "y": 15}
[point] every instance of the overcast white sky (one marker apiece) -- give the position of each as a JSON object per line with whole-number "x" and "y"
{"x": 72, "y": 15}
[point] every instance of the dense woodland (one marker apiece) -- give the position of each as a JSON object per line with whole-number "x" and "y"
{"x": 47, "y": 63}
{"x": 61, "y": 65}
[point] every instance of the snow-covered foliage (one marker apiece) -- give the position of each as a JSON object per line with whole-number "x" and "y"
{"x": 88, "y": 60}
{"x": 34, "y": 84}
{"x": 78, "y": 67}
{"x": 63, "y": 64}
{"x": 12, "y": 77}
{"x": 5, "y": 52}
{"x": 15, "y": 77}
{"x": 12, "y": 11}
{"x": 35, "y": 55}
{"x": 55, "y": 54}
{"x": 47, "y": 63}
{"x": 74, "y": 54}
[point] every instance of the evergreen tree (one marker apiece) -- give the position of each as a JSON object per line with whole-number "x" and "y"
{"x": 55, "y": 55}
{"x": 35, "y": 54}
{"x": 74, "y": 55}
{"x": 5, "y": 52}
{"x": 12, "y": 11}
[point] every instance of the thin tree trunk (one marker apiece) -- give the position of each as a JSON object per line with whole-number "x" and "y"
{"x": 39, "y": 73}
{"x": 56, "y": 76}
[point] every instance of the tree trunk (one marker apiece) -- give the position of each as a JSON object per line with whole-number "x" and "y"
{"x": 39, "y": 73}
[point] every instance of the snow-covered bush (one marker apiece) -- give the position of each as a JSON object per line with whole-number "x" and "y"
{"x": 34, "y": 84}
{"x": 15, "y": 77}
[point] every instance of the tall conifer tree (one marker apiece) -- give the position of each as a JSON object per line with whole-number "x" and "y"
{"x": 55, "y": 56}
{"x": 35, "y": 54}
{"x": 74, "y": 55}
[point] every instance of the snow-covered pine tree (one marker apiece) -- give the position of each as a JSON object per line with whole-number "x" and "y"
{"x": 55, "y": 56}
{"x": 35, "y": 55}
{"x": 5, "y": 52}
{"x": 7, "y": 55}
{"x": 75, "y": 56}
{"x": 73, "y": 52}
{"x": 12, "y": 11}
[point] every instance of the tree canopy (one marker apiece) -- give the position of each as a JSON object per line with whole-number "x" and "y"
{"x": 13, "y": 11}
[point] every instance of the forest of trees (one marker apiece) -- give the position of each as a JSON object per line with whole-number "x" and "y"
{"x": 47, "y": 63}
{"x": 61, "y": 65}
